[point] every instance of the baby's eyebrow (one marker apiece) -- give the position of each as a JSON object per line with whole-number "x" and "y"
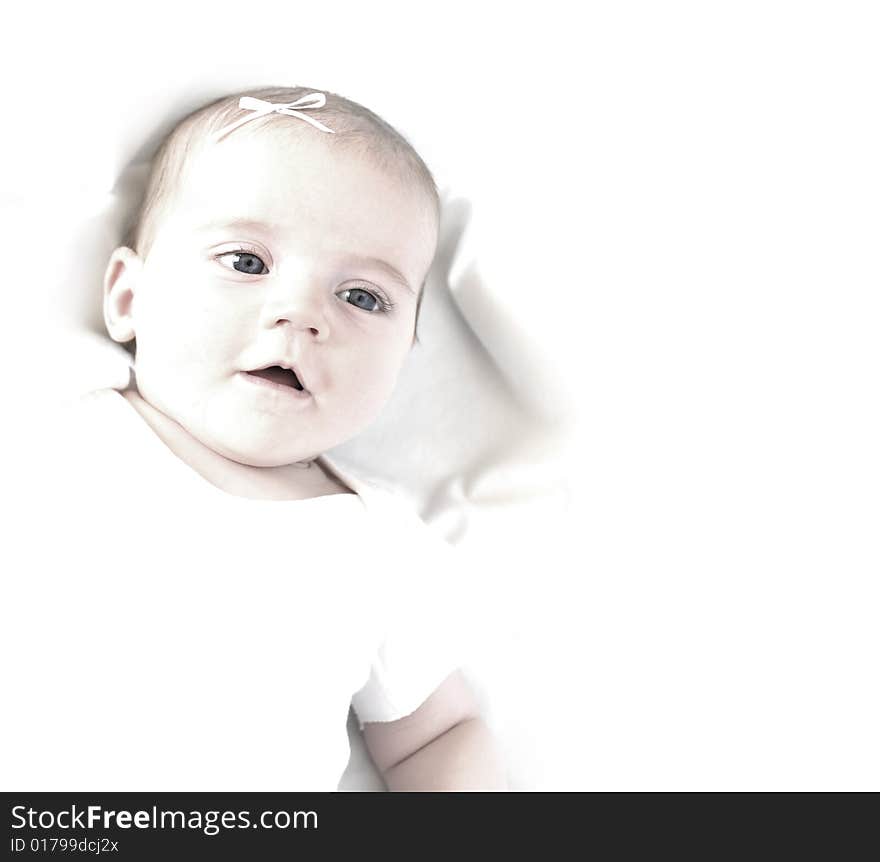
{"x": 237, "y": 223}
{"x": 366, "y": 260}
{"x": 386, "y": 267}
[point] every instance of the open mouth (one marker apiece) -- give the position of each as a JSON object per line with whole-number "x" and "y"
{"x": 277, "y": 374}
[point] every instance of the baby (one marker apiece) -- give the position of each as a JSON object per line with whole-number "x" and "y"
{"x": 269, "y": 292}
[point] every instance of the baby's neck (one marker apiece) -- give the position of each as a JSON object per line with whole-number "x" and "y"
{"x": 286, "y": 482}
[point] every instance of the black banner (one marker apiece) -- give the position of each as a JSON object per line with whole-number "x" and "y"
{"x": 134, "y": 826}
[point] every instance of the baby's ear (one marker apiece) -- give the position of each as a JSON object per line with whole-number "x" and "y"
{"x": 120, "y": 284}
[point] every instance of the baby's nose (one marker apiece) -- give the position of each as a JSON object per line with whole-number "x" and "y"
{"x": 298, "y": 306}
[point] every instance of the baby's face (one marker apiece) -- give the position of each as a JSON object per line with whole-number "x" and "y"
{"x": 280, "y": 251}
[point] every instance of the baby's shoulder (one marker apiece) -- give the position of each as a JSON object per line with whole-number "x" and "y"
{"x": 85, "y": 406}
{"x": 89, "y": 419}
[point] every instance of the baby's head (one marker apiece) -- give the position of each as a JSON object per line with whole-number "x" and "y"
{"x": 277, "y": 245}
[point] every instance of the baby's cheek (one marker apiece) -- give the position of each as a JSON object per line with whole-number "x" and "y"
{"x": 375, "y": 381}
{"x": 171, "y": 328}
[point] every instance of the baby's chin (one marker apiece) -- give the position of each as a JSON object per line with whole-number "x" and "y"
{"x": 269, "y": 441}
{"x": 279, "y": 462}
{"x": 262, "y": 454}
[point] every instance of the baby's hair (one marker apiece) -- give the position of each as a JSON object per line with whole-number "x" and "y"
{"x": 356, "y": 129}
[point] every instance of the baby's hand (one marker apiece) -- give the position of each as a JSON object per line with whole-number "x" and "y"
{"x": 443, "y": 745}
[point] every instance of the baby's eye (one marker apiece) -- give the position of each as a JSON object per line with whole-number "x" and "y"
{"x": 365, "y": 300}
{"x": 244, "y": 261}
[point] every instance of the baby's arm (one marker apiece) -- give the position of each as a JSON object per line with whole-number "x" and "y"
{"x": 443, "y": 745}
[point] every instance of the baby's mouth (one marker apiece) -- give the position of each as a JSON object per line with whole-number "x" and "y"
{"x": 277, "y": 374}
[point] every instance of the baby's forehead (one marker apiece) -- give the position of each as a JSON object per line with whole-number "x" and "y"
{"x": 300, "y": 182}
{"x": 293, "y": 171}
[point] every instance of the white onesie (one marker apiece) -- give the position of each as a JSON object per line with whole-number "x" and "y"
{"x": 171, "y": 636}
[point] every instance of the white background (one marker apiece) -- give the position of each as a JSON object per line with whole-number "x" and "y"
{"x": 687, "y": 198}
